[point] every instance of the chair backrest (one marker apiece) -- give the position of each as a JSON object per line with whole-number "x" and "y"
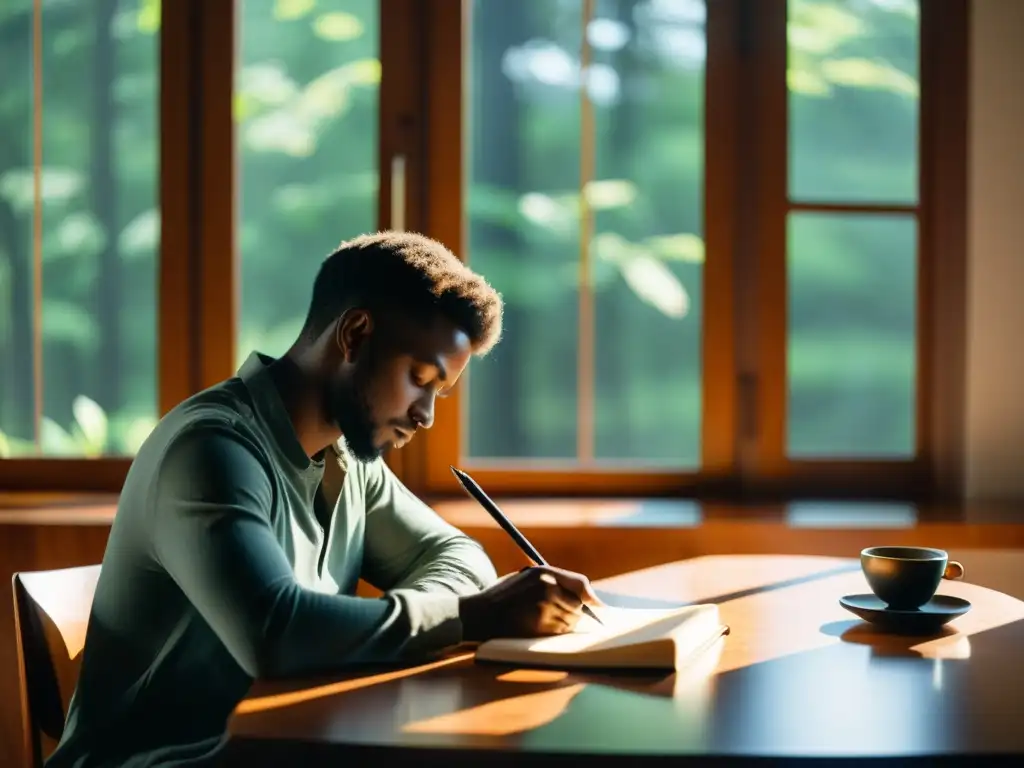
{"x": 51, "y": 614}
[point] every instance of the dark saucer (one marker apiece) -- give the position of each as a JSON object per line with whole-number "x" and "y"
{"x": 926, "y": 620}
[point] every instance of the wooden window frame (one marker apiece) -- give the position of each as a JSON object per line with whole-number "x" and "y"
{"x": 936, "y": 470}
{"x": 744, "y": 347}
{"x": 743, "y": 351}
{"x": 426, "y": 460}
{"x": 198, "y": 285}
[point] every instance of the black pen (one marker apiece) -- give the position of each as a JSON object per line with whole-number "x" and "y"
{"x": 521, "y": 541}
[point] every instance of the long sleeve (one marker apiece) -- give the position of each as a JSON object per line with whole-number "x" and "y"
{"x": 412, "y": 553}
{"x": 212, "y": 533}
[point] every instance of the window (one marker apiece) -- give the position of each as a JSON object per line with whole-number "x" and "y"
{"x": 708, "y": 287}
{"x": 306, "y": 106}
{"x": 852, "y": 230}
{"x": 79, "y": 227}
{"x": 723, "y": 230}
{"x": 585, "y": 165}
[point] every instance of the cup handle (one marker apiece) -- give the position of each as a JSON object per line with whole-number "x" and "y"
{"x": 954, "y": 571}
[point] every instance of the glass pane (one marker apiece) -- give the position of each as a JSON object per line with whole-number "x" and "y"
{"x": 647, "y": 85}
{"x": 523, "y": 230}
{"x": 852, "y": 347}
{"x": 94, "y": 197}
{"x": 306, "y": 110}
{"x": 645, "y": 88}
{"x": 853, "y": 100}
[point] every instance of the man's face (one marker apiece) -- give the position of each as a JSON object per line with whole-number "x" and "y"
{"x": 386, "y": 389}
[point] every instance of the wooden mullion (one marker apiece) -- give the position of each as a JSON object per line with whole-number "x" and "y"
{"x": 445, "y": 29}
{"x": 402, "y": 133}
{"x": 855, "y": 208}
{"x": 198, "y": 270}
{"x": 177, "y": 294}
{"x": 218, "y": 175}
{"x": 767, "y": 24}
{"x": 722, "y": 157}
{"x": 942, "y": 312}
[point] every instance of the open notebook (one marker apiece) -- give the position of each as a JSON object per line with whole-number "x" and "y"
{"x": 631, "y": 638}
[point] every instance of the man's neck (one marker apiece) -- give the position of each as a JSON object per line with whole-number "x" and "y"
{"x": 300, "y": 393}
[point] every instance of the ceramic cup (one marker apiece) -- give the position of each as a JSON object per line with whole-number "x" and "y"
{"x": 906, "y": 578}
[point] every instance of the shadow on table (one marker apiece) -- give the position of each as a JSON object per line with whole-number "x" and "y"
{"x": 947, "y": 643}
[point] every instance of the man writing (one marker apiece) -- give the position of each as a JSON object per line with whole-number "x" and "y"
{"x": 229, "y": 558}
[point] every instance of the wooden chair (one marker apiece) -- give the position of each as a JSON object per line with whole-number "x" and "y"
{"x": 51, "y": 613}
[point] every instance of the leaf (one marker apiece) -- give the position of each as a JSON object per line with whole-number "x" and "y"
{"x": 288, "y": 10}
{"x": 328, "y": 94}
{"x": 148, "y": 19}
{"x": 863, "y": 73}
{"x": 266, "y": 84}
{"x": 92, "y": 421}
{"x": 807, "y": 83}
{"x": 135, "y": 434}
{"x": 656, "y": 285}
{"x": 338, "y": 26}
{"x": 79, "y": 234}
{"x": 685, "y": 247}
{"x": 243, "y": 106}
{"x": 57, "y": 185}
{"x": 13, "y": 446}
{"x": 55, "y": 441}
{"x": 612, "y": 247}
{"x": 820, "y": 27}
{"x": 293, "y": 126}
{"x": 281, "y": 131}
{"x": 142, "y": 235}
{"x": 609, "y": 193}
{"x": 549, "y": 212}
{"x": 364, "y": 72}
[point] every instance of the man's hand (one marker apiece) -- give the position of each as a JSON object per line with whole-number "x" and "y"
{"x": 533, "y": 602}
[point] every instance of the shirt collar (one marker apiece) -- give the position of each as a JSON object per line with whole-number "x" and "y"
{"x": 255, "y": 374}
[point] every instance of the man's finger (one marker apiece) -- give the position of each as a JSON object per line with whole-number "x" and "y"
{"x": 576, "y": 583}
{"x": 565, "y": 600}
{"x": 562, "y": 621}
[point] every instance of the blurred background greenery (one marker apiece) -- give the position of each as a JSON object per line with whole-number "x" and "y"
{"x": 307, "y": 112}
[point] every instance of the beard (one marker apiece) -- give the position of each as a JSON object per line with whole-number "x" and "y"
{"x": 350, "y": 407}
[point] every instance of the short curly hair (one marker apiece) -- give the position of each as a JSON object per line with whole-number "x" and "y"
{"x": 405, "y": 271}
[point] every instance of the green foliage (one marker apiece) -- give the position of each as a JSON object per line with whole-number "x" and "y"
{"x": 306, "y": 104}
{"x": 92, "y": 434}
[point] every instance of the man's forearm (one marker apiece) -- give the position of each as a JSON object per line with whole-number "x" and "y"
{"x": 409, "y": 546}
{"x": 457, "y": 565}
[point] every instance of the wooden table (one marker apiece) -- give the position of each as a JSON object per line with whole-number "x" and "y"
{"x": 797, "y": 677}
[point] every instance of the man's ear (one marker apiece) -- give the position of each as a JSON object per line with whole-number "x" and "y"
{"x": 351, "y": 332}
